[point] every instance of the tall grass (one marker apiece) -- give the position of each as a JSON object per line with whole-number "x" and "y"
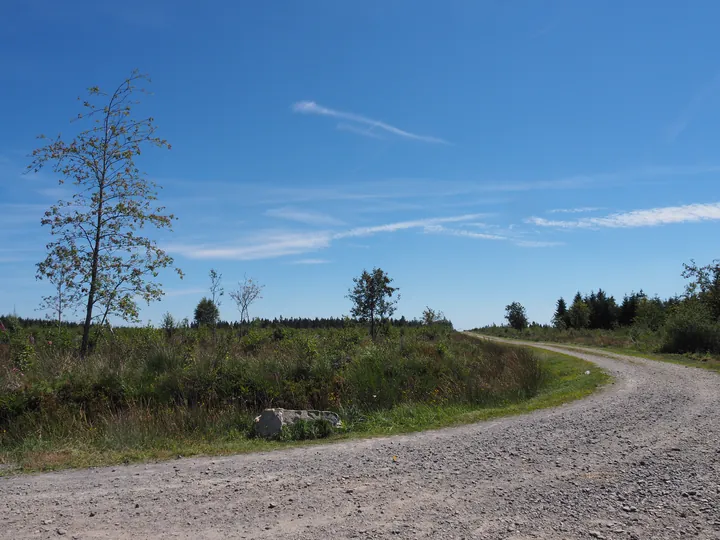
{"x": 145, "y": 389}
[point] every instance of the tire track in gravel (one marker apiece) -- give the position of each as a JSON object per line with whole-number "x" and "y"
{"x": 639, "y": 459}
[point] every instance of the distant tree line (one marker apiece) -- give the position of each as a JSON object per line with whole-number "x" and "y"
{"x": 685, "y": 323}
{"x": 600, "y": 311}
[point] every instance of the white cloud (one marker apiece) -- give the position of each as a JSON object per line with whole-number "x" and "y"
{"x": 581, "y": 210}
{"x": 365, "y": 132}
{"x": 272, "y": 244}
{"x": 639, "y": 218}
{"x": 262, "y": 246}
{"x": 402, "y": 225}
{"x": 311, "y": 261}
{"x": 423, "y": 192}
{"x": 304, "y": 216}
{"x": 439, "y": 229}
{"x": 310, "y": 107}
{"x": 463, "y": 233}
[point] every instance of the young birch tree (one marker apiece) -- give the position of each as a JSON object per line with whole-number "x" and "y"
{"x": 96, "y": 231}
{"x": 64, "y": 296}
{"x": 247, "y": 293}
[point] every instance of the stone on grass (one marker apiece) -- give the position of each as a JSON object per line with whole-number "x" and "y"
{"x": 270, "y": 423}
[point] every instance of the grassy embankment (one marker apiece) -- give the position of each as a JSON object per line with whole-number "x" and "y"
{"x": 147, "y": 396}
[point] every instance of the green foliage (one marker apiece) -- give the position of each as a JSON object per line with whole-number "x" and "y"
{"x": 603, "y": 311}
{"x": 690, "y": 328}
{"x": 649, "y": 314}
{"x": 206, "y": 313}
{"x": 579, "y": 313}
{"x": 561, "y": 319}
{"x": 168, "y": 324}
{"x": 372, "y": 298}
{"x": 303, "y": 430}
{"x": 516, "y": 316}
{"x": 704, "y": 285}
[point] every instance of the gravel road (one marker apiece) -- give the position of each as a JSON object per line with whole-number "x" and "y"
{"x": 638, "y": 460}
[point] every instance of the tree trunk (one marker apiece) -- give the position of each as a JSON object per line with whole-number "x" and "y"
{"x": 93, "y": 279}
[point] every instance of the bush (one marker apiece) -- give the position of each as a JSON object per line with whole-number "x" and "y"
{"x": 690, "y": 329}
{"x": 303, "y": 430}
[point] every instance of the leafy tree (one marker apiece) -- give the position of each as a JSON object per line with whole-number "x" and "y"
{"x": 96, "y": 231}
{"x": 560, "y": 318}
{"x": 206, "y": 313}
{"x": 247, "y": 293}
{"x": 168, "y": 324}
{"x": 650, "y": 314}
{"x": 372, "y": 298}
{"x": 704, "y": 285}
{"x": 690, "y": 328}
{"x": 515, "y": 315}
{"x": 579, "y": 313}
{"x": 64, "y": 295}
{"x": 430, "y": 316}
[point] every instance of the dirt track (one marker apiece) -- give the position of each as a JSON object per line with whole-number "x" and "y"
{"x": 641, "y": 459}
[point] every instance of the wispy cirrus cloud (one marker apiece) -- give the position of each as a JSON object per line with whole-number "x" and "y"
{"x": 464, "y": 233}
{"x": 304, "y": 216}
{"x": 652, "y": 217}
{"x": 417, "y": 192}
{"x": 580, "y": 210}
{"x": 403, "y": 225}
{"x": 365, "y": 132}
{"x": 263, "y": 245}
{"x": 440, "y": 229}
{"x": 273, "y": 244}
{"x": 701, "y": 96}
{"x": 311, "y": 261}
{"x": 310, "y": 107}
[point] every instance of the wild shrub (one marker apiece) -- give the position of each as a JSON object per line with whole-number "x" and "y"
{"x": 303, "y": 430}
{"x": 690, "y": 328}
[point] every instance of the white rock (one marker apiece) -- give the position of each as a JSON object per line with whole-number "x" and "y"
{"x": 270, "y": 423}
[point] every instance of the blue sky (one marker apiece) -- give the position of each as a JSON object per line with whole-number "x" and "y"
{"x": 479, "y": 152}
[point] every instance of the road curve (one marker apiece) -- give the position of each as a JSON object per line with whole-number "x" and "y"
{"x": 638, "y": 460}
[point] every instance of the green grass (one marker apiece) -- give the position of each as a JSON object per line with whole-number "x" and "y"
{"x": 564, "y": 380}
{"x": 617, "y": 342}
{"x": 710, "y": 362}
